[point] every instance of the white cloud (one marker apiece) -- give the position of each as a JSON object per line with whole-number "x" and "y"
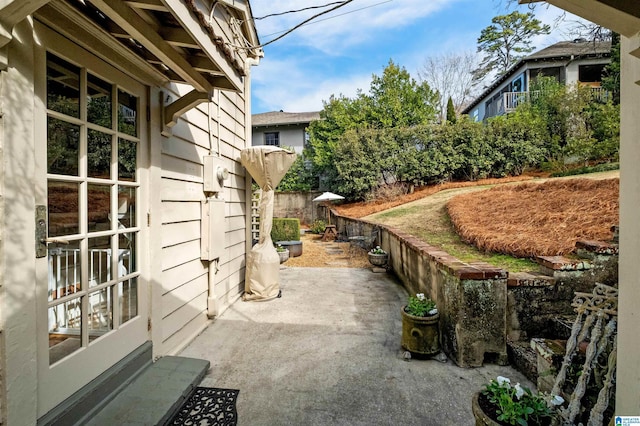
{"x": 286, "y": 85}
{"x": 355, "y": 23}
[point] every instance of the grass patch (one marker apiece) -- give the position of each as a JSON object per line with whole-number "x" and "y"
{"x": 448, "y": 240}
{"x": 428, "y": 220}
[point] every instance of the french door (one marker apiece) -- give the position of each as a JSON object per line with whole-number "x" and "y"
{"x": 92, "y": 309}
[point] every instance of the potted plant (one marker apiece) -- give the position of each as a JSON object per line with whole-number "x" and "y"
{"x": 500, "y": 403}
{"x": 377, "y": 256}
{"x": 420, "y": 326}
{"x": 283, "y": 253}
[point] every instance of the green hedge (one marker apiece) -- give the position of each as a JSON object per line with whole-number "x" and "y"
{"x": 590, "y": 169}
{"x": 285, "y": 229}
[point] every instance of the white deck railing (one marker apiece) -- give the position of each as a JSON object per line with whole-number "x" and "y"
{"x": 65, "y": 279}
{"x": 511, "y": 100}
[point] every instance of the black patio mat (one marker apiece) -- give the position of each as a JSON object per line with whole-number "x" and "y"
{"x": 208, "y": 406}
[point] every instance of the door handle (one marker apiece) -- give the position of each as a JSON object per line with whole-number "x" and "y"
{"x": 41, "y": 233}
{"x": 54, "y": 241}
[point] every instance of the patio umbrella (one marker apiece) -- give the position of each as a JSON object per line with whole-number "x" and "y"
{"x": 267, "y": 165}
{"x": 327, "y": 197}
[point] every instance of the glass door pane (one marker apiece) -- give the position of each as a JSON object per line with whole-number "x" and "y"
{"x": 92, "y": 186}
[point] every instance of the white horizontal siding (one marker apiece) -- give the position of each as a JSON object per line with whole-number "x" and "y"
{"x": 183, "y": 315}
{"x": 180, "y": 232}
{"x": 180, "y": 211}
{"x": 184, "y": 294}
{"x": 184, "y": 335}
{"x": 180, "y": 253}
{"x": 184, "y": 276}
{"x": 178, "y": 275}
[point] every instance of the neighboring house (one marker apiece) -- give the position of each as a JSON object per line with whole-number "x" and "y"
{"x": 285, "y": 129}
{"x": 569, "y": 62}
{"x": 108, "y": 109}
{"x": 623, "y": 17}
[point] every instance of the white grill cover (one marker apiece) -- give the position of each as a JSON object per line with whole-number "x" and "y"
{"x": 267, "y": 165}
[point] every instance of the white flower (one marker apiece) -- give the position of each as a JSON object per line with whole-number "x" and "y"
{"x": 502, "y": 380}
{"x": 433, "y": 311}
{"x": 557, "y": 400}
{"x": 519, "y": 390}
{"x": 420, "y": 296}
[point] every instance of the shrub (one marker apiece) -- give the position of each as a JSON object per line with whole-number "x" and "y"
{"x": 604, "y": 121}
{"x": 471, "y": 144}
{"x": 359, "y": 165}
{"x": 589, "y": 169}
{"x": 518, "y": 141}
{"x": 285, "y": 229}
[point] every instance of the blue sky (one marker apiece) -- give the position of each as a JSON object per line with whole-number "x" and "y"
{"x": 339, "y": 55}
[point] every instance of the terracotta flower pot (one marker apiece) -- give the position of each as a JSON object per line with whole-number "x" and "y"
{"x": 421, "y": 335}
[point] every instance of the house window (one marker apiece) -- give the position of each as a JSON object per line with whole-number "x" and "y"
{"x": 518, "y": 84}
{"x": 272, "y": 138}
{"x": 590, "y": 73}
{"x": 555, "y": 72}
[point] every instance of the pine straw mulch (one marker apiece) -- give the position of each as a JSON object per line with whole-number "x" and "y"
{"x": 543, "y": 219}
{"x": 366, "y": 208}
{"x": 328, "y": 254}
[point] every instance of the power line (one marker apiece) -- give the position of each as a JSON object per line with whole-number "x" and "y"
{"x": 289, "y": 31}
{"x": 306, "y": 23}
{"x": 298, "y": 10}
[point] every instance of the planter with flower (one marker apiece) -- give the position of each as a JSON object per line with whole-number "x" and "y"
{"x": 378, "y": 257}
{"x": 283, "y": 253}
{"x": 501, "y": 403}
{"x": 420, "y": 326}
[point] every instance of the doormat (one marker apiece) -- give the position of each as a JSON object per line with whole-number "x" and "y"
{"x": 209, "y": 406}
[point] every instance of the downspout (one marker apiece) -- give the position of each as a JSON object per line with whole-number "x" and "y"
{"x": 212, "y": 301}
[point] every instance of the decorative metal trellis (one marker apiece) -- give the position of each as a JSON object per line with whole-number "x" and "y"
{"x": 596, "y": 321}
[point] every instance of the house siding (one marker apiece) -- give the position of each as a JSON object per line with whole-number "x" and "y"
{"x": 185, "y": 280}
{"x": 569, "y": 75}
{"x": 290, "y": 136}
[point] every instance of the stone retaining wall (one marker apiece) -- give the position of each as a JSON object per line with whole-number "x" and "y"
{"x": 535, "y": 302}
{"x": 471, "y": 297}
{"x": 482, "y": 306}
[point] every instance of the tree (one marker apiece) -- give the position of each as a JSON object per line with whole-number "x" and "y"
{"x": 338, "y": 115}
{"x": 611, "y": 75}
{"x": 394, "y": 100}
{"x": 451, "y": 75}
{"x": 451, "y": 112}
{"x": 506, "y": 41}
{"x": 398, "y": 100}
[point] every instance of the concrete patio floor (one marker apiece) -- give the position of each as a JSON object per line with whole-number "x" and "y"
{"x": 328, "y": 353}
